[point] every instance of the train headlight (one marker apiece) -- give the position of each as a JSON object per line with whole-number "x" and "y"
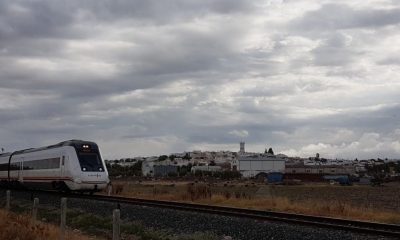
{"x": 84, "y": 169}
{"x": 100, "y": 169}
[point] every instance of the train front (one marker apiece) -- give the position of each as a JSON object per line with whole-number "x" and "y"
{"x": 93, "y": 172}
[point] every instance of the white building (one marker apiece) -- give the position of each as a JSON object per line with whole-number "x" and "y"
{"x": 148, "y": 168}
{"x": 321, "y": 169}
{"x": 206, "y": 168}
{"x": 250, "y": 165}
{"x": 154, "y": 168}
{"x": 224, "y": 156}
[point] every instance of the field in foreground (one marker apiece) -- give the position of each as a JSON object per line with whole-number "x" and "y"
{"x": 21, "y": 227}
{"x": 369, "y": 203}
{"x": 16, "y": 224}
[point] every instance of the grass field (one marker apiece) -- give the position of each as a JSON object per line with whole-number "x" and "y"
{"x": 379, "y": 204}
{"x": 16, "y": 224}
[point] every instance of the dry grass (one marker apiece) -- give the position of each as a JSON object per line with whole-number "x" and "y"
{"x": 330, "y": 209}
{"x": 21, "y": 227}
{"x": 236, "y": 197}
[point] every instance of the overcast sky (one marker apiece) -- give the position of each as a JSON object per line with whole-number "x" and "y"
{"x": 154, "y": 77}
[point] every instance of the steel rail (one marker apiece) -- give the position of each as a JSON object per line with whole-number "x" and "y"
{"x": 364, "y": 227}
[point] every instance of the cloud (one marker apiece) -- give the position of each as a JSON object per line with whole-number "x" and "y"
{"x": 369, "y": 145}
{"x": 390, "y": 61}
{"x": 144, "y": 78}
{"x": 335, "y": 51}
{"x": 340, "y": 16}
{"x": 239, "y": 133}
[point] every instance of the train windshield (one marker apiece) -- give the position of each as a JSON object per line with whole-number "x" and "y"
{"x": 90, "y": 162}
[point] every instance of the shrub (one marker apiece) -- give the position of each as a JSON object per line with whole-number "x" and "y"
{"x": 198, "y": 191}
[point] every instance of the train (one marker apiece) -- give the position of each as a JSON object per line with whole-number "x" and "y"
{"x": 73, "y": 165}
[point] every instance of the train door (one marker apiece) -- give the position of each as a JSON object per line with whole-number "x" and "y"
{"x": 62, "y": 165}
{"x": 21, "y": 171}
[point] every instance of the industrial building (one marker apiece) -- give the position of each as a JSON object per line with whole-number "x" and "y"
{"x": 254, "y": 164}
{"x": 251, "y": 165}
{"x": 317, "y": 172}
{"x": 320, "y": 169}
{"x": 157, "y": 169}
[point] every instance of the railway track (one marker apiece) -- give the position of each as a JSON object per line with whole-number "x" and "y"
{"x": 364, "y": 227}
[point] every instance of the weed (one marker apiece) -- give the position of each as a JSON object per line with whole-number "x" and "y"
{"x": 21, "y": 227}
{"x": 90, "y": 223}
{"x": 242, "y": 196}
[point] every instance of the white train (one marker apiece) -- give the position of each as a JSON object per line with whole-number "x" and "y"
{"x": 73, "y": 165}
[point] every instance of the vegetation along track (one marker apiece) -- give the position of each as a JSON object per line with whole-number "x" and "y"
{"x": 364, "y": 227}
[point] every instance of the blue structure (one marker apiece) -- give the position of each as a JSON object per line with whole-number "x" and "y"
{"x": 275, "y": 177}
{"x": 341, "y": 179}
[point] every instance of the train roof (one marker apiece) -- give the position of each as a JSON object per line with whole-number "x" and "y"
{"x": 5, "y": 154}
{"x": 73, "y": 143}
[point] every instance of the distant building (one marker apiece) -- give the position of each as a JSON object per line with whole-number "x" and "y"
{"x": 251, "y": 165}
{"x": 147, "y": 168}
{"x": 158, "y": 169}
{"x": 320, "y": 169}
{"x": 206, "y": 168}
{"x": 242, "y": 150}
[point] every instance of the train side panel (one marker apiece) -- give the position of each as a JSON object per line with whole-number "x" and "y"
{"x": 40, "y": 169}
{"x": 4, "y": 167}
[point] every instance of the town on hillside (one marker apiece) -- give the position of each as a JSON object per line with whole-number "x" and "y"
{"x": 268, "y": 166}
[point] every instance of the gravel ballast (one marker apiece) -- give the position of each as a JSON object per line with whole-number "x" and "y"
{"x": 189, "y": 222}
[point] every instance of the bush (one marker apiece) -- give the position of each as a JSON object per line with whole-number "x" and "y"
{"x": 125, "y": 171}
{"x": 198, "y": 191}
{"x": 224, "y": 175}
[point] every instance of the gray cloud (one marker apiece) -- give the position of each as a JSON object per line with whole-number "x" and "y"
{"x": 334, "y": 16}
{"x": 152, "y": 77}
{"x": 395, "y": 60}
{"x": 335, "y": 51}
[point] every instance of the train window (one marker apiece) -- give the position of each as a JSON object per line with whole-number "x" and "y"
{"x": 13, "y": 166}
{"x": 4, "y": 167}
{"x": 63, "y": 160}
{"x": 50, "y": 163}
{"x": 90, "y": 162}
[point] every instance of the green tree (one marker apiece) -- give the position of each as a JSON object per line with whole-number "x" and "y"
{"x": 183, "y": 170}
{"x": 125, "y": 171}
{"x": 270, "y": 151}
